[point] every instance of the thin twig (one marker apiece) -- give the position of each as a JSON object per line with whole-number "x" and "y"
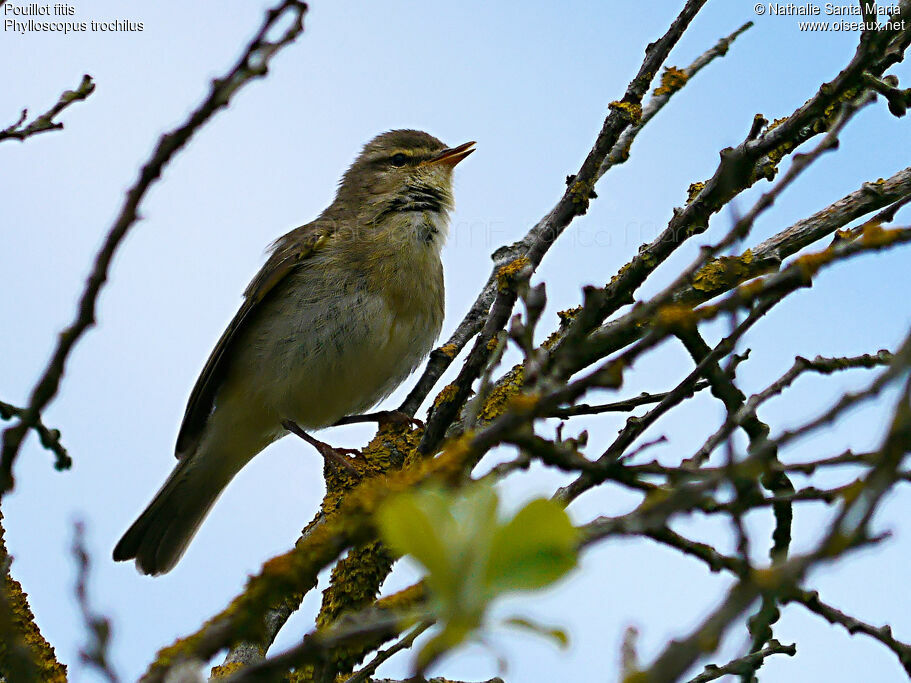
{"x": 364, "y": 674}
{"x": 50, "y": 438}
{"x": 45, "y": 122}
{"x": 95, "y": 654}
{"x": 747, "y": 663}
{"x": 252, "y": 64}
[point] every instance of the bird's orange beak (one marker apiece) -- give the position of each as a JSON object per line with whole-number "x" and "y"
{"x": 451, "y": 156}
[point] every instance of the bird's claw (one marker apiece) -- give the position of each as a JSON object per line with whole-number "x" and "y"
{"x": 333, "y": 457}
{"x": 384, "y": 418}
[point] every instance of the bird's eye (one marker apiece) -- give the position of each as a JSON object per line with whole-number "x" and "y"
{"x": 399, "y": 159}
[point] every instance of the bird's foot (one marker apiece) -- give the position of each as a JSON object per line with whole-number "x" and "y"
{"x": 385, "y": 418}
{"x": 334, "y": 457}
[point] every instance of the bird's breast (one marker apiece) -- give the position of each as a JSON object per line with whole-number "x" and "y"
{"x": 345, "y": 333}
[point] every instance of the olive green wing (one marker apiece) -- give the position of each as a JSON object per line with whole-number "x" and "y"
{"x": 289, "y": 253}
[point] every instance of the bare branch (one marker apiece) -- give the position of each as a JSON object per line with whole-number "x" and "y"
{"x": 50, "y": 438}
{"x": 252, "y": 64}
{"x": 99, "y": 627}
{"x": 44, "y": 123}
{"x": 404, "y": 643}
{"x": 746, "y": 664}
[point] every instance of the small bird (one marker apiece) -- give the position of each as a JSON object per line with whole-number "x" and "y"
{"x": 344, "y": 309}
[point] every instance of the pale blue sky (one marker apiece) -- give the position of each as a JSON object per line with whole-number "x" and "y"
{"x": 530, "y": 82}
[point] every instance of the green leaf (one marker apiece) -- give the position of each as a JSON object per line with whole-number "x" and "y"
{"x": 451, "y": 635}
{"x": 474, "y": 510}
{"x": 534, "y": 549}
{"x": 416, "y": 524}
{"x": 557, "y": 635}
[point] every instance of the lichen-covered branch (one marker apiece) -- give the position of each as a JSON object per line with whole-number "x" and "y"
{"x": 672, "y": 81}
{"x": 596, "y": 348}
{"x": 25, "y": 655}
{"x": 508, "y": 260}
{"x": 756, "y": 157}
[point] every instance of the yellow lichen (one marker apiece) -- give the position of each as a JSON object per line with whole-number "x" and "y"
{"x": 21, "y": 627}
{"x": 620, "y": 273}
{"x": 508, "y": 387}
{"x": 447, "y": 394}
{"x": 751, "y": 289}
{"x": 523, "y": 403}
{"x": 580, "y": 192}
{"x": 449, "y": 350}
{"x": 809, "y": 264}
{"x": 408, "y": 597}
{"x": 631, "y": 110}
{"x": 622, "y": 154}
{"x": 673, "y": 316}
{"x": 877, "y": 236}
{"x": 722, "y": 273}
{"x": 568, "y": 315}
{"x": 351, "y": 524}
{"x": 844, "y": 235}
{"x": 693, "y": 191}
{"x": 671, "y": 80}
{"x": 390, "y": 448}
{"x": 506, "y": 275}
{"x": 354, "y": 584}
{"x": 225, "y": 670}
{"x": 782, "y": 150}
{"x": 552, "y": 339}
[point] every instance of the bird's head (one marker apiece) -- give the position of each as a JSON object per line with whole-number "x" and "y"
{"x": 401, "y": 173}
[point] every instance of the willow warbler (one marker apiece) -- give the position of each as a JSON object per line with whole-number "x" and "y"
{"x": 343, "y": 310}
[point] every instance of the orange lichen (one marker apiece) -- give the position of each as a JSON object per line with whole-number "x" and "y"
{"x": 877, "y": 236}
{"x": 22, "y": 632}
{"x": 506, "y": 388}
{"x": 568, "y": 315}
{"x": 523, "y": 403}
{"x": 408, "y": 597}
{"x": 722, "y": 273}
{"x": 449, "y": 350}
{"x": 631, "y": 110}
{"x": 225, "y": 670}
{"x": 674, "y": 316}
{"x": 581, "y": 192}
{"x": 693, "y": 191}
{"x": 506, "y": 275}
{"x": 447, "y": 394}
{"x": 809, "y": 264}
{"x": 671, "y": 80}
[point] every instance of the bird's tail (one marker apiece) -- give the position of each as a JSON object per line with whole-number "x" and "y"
{"x": 161, "y": 534}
